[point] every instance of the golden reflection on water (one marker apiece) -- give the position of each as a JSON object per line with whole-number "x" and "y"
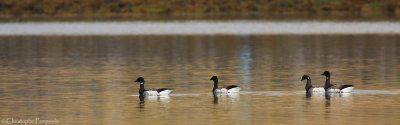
{"x": 89, "y": 79}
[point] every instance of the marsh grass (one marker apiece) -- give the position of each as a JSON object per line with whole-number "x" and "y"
{"x": 194, "y": 7}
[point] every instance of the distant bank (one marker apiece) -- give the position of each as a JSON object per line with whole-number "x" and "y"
{"x": 12, "y": 8}
{"x": 198, "y": 28}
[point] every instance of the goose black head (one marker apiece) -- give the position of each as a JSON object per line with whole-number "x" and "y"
{"x": 305, "y": 77}
{"x": 326, "y": 73}
{"x": 140, "y": 80}
{"x": 214, "y": 78}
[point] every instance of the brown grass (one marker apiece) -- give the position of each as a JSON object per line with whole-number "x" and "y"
{"x": 194, "y": 7}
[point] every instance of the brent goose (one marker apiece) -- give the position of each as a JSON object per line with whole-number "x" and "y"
{"x": 309, "y": 87}
{"x": 225, "y": 89}
{"x": 151, "y": 92}
{"x": 333, "y": 88}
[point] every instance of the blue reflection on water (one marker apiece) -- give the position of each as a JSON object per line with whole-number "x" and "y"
{"x": 245, "y": 57}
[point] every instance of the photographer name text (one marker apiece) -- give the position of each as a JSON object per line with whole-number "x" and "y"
{"x": 34, "y": 121}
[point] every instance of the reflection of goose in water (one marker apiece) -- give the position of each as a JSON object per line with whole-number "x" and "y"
{"x": 321, "y": 95}
{"x": 141, "y": 102}
{"x": 340, "y": 94}
{"x": 333, "y": 88}
{"x": 159, "y": 98}
{"x": 151, "y": 92}
{"x": 315, "y": 95}
{"x": 337, "y": 97}
{"x": 215, "y": 99}
{"x": 152, "y": 100}
{"x": 232, "y": 97}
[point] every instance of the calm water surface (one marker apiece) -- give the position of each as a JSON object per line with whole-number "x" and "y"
{"x": 89, "y": 79}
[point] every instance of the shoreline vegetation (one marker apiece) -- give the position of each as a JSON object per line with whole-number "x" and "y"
{"x": 190, "y": 8}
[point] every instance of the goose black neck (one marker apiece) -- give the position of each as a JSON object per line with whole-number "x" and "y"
{"x": 141, "y": 90}
{"x": 215, "y": 84}
{"x": 327, "y": 82}
{"x": 308, "y": 85}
